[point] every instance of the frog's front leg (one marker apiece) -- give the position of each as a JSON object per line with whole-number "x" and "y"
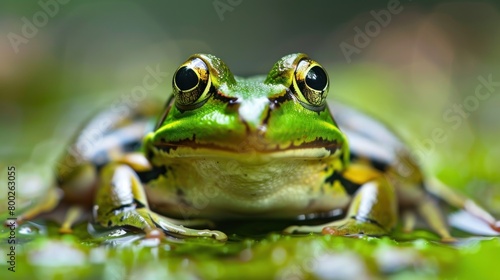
{"x": 121, "y": 201}
{"x": 373, "y": 211}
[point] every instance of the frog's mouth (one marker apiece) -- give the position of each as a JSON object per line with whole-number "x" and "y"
{"x": 319, "y": 148}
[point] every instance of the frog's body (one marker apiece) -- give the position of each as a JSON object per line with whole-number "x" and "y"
{"x": 261, "y": 147}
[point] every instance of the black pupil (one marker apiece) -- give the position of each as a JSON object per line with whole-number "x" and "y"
{"x": 316, "y": 78}
{"x": 186, "y": 78}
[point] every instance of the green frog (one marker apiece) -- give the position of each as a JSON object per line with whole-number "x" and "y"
{"x": 230, "y": 148}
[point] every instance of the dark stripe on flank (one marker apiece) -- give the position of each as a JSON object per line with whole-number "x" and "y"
{"x": 122, "y": 207}
{"x": 368, "y": 220}
{"x": 138, "y": 204}
{"x": 130, "y": 206}
{"x": 349, "y": 187}
{"x": 152, "y": 174}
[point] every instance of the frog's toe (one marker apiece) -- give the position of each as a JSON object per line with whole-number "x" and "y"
{"x": 333, "y": 231}
{"x": 409, "y": 220}
{"x": 73, "y": 214}
{"x": 180, "y": 230}
{"x": 291, "y": 230}
{"x": 354, "y": 227}
{"x": 187, "y": 232}
{"x": 217, "y": 235}
{"x": 64, "y": 230}
{"x": 340, "y": 228}
{"x": 191, "y": 223}
{"x": 303, "y": 229}
{"x": 155, "y": 234}
{"x": 449, "y": 239}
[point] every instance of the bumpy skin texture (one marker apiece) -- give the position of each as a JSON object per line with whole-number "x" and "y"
{"x": 226, "y": 147}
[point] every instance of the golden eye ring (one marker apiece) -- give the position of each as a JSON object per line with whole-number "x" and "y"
{"x": 310, "y": 84}
{"x": 191, "y": 84}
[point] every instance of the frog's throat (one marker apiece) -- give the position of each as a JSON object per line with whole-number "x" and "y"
{"x": 318, "y": 148}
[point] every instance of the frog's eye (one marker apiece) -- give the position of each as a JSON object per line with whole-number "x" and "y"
{"x": 191, "y": 83}
{"x": 310, "y": 84}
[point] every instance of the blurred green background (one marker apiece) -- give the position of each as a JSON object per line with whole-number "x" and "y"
{"x": 416, "y": 65}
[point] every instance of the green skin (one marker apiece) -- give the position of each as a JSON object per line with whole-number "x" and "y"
{"x": 231, "y": 150}
{"x": 259, "y": 147}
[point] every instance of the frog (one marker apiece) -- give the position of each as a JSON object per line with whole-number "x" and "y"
{"x": 266, "y": 147}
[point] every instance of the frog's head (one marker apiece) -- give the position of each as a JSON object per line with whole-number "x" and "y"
{"x": 213, "y": 113}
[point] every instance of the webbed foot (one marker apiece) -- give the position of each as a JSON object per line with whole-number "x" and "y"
{"x": 372, "y": 212}
{"x": 121, "y": 201}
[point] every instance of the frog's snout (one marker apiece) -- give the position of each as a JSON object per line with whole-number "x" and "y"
{"x": 255, "y": 114}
